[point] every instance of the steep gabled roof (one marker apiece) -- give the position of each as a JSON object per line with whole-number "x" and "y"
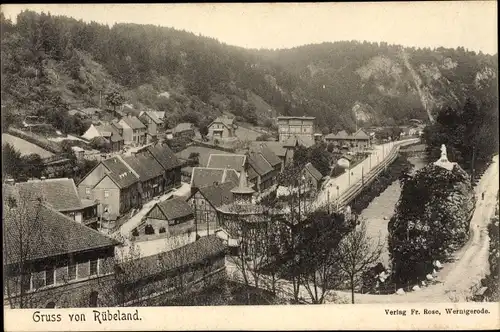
{"x": 163, "y": 155}
{"x": 313, "y": 171}
{"x": 228, "y": 122}
{"x": 269, "y": 155}
{"x": 276, "y": 147}
{"x": 259, "y": 164}
{"x": 146, "y": 166}
{"x": 233, "y": 161}
{"x": 48, "y": 233}
{"x": 61, "y": 194}
{"x": 202, "y": 176}
{"x": 133, "y": 122}
{"x": 218, "y": 194}
{"x": 110, "y": 132}
{"x": 175, "y": 208}
{"x": 120, "y": 172}
{"x": 360, "y": 134}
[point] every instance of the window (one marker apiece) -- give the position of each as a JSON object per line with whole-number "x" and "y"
{"x": 87, "y": 191}
{"x": 93, "y": 267}
{"x": 106, "y": 193}
{"x": 50, "y": 276}
{"x": 72, "y": 271}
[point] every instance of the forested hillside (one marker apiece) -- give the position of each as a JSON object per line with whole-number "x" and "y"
{"x": 53, "y": 64}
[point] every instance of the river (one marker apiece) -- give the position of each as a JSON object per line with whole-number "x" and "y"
{"x": 381, "y": 209}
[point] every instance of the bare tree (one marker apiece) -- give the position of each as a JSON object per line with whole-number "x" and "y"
{"x": 356, "y": 253}
{"x": 23, "y": 234}
{"x": 319, "y": 239}
{"x": 21, "y": 230}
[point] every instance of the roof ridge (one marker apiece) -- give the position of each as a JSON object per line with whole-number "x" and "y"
{"x": 128, "y": 166}
{"x": 78, "y": 223}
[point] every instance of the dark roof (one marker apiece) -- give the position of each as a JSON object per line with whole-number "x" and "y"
{"x": 133, "y": 122}
{"x": 109, "y": 131}
{"x": 153, "y": 117}
{"x": 48, "y": 233}
{"x": 164, "y": 155}
{"x": 189, "y": 254}
{"x": 360, "y": 134}
{"x": 234, "y": 161}
{"x": 175, "y": 208}
{"x": 145, "y": 166}
{"x": 218, "y": 195}
{"x": 314, "y": 172}
{"x": 120, "y": 172}
{"x": 228, "y": 122}
{"x": 202, "y": 176}
{"x": 299, "y": 140}
{"x": 276, "y": 147}
{"x": 61, "y": 194}
{"x": 269, "y": 155}
{"x": 259, "y": 163}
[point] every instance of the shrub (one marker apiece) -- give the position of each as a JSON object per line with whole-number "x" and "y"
{"x": 135, "y": 232}
{"x": 162, "y": 230}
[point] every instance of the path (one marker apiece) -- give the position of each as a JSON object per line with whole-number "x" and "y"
{"x": 135, "y": 220}
{"x": 355, "y": 174}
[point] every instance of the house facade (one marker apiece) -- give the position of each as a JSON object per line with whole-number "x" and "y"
{"x": 204, "y": 202}
{"x": 173, "y": 217}
{"x": 261, "y": 174}
{"x": 62, "y": 195}
{"x": 312, "y": 177}
{"x": 119, "y": 184}
{"x": 221, "y": 128}
{"x": 67, "y": 264}
{"x": 299, "y": 126}
{"x": 357, "y": 141}
{"x": 134, "y": 131}
{"x": 114, "y": 184}
{"x": 153, "y": 125}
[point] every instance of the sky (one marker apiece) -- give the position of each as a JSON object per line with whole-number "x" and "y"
{"x": 471, "y": 24}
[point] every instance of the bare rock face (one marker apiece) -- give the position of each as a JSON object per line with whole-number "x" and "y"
{"x": 431, "y": 220}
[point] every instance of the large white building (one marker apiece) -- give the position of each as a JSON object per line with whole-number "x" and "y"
{"x": 301, "y": 127}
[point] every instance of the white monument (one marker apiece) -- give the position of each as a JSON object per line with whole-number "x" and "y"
{"x": 443, "y": 160}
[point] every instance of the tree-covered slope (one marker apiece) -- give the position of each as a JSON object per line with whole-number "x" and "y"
{"x": 61, "y": 63}
{"x": 431, "y": 220}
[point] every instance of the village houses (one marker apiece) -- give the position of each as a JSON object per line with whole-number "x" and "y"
{"x": 108, "y": 132}
{"x": 221, "y": 128}
{"x": 120, "y": 184}
{"x": 134, "y": 131}
{"x": 172, "y": 217}
{"x": 153, "y": 125}
{"x": 358, "y": 141}
{"x": 296, "y": 126}
{"x": 62, "y": 195}
{"x": 50, "y": 260}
